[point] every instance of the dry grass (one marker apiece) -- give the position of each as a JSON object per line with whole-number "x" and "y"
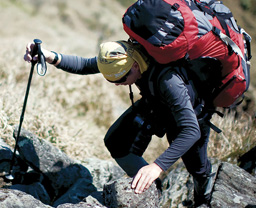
{"x": 71, "y": 111}
{"x": 236, "y": 138}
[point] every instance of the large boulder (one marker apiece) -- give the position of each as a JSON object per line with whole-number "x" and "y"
{"x": 233, "y": 188}
{"x": 61, "y": 171}
{"x": 119, "y": 194}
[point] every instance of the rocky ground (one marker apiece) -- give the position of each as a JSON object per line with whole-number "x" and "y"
{"x": 47, "y": 177}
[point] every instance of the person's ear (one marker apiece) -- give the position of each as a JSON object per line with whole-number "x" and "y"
{"x": 136, "y": 66}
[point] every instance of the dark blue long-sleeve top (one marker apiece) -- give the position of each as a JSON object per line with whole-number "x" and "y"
{"x": 177, "y": 96}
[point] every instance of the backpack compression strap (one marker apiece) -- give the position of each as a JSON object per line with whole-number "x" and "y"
{"x": 206, "y": 7}
{"x": 229, "y": 42}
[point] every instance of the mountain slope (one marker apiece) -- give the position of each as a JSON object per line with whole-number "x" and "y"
{"x": 71, "y": 111}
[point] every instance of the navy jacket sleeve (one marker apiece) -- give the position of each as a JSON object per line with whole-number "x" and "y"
{"x": 78, "y": 65}
{"x": 174, "y": 94}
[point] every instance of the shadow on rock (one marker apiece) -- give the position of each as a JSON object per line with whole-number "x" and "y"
{"x": 52, "y": 177}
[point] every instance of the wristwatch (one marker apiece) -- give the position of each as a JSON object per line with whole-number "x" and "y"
{"x": 56, "y": 58}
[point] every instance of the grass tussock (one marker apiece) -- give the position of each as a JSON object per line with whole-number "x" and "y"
{"x": 236, "y": 138}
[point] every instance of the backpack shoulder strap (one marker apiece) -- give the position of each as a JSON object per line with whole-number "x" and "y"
{"x": 154, "y": 76}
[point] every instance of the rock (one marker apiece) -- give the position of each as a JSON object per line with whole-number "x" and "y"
{"x": 234, "y": 188}
{"x": 18, "y": 199}
{"x": 42, "y": 156}
{"x": 89, "y": 202}
{"x": 92, "y": 202}
{"x": 78, "y": 185}
{"x": 102, "y": 171}
{"x": 177, "y": 188}
{"x": 248, "y": 161}
{"x": 5, "y": 156}
{"x": 80, "y": 190}
{"x": 36, "y": 190}
{"x": 120, "y": 194}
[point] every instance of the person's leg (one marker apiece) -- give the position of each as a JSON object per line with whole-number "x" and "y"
{"x": 199, "y": 166}
{"x": 131, "y": 163}
{"x": 120, "y": 138}
{"x": 202, "y": 189}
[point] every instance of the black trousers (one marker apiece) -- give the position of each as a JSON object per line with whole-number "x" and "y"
{"x": 123, "y": 132}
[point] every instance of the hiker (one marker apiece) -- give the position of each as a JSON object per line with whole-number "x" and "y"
{"x": 174, "y": 110}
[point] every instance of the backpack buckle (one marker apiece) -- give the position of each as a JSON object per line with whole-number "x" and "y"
{"x": 216, "y": 31}
{"x": 176, "y": 6}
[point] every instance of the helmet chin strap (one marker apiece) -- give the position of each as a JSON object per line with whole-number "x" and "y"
{"x": 131, "y": 95}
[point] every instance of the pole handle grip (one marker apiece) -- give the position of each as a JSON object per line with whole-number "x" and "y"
{"x": 41, "y": 64}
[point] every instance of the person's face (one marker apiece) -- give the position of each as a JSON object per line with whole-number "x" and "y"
{"x": 132, "y": 76}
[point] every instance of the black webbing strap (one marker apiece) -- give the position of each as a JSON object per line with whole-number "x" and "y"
{"x": 131, "y": 95}
{"x": 221, "y": 17}
{"x": 213, "y": 127}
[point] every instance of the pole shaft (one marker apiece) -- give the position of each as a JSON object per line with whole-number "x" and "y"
{"x": 22, "y": 115}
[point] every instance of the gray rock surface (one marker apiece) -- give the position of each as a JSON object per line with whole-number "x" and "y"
{"x": 76, "y": 193}
{"x": 61, "y": 171}
{"x": 102, "y": 171}
{"x": 18, "y": 199}
{"x": 178, "y": 188}
{"x": 89, "y": 202}
{"x": 234, "y": 188}
{"x": 36, "y": 190}
{"x": 119, "y": 194}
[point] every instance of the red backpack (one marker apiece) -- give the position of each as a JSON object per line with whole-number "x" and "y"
{"x": 171, "y": 30}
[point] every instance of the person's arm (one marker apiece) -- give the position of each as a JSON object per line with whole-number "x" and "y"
{"x": 49, "y": 55}
{"x": 175, "y": 95}
{"x": 78, "y": 65}
{"x": 68, "y": 63}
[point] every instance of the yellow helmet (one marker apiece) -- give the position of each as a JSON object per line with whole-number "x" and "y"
{"x": 116, "y": 58}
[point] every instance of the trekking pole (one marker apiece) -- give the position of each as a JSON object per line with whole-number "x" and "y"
{"x": 41, "y": 69}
